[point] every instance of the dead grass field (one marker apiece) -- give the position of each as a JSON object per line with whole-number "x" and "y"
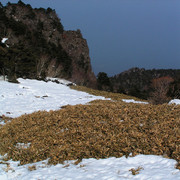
{"x": 113, "y": 96}
{"x": 99, "y": 130}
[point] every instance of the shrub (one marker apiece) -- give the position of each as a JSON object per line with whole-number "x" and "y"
{"x": 160, "y": 89}
{"x": 174, "y": 89}
{"x": 103, "y": 81}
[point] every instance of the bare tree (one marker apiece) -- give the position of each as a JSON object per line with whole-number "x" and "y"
{"x": 160, "y": 89}
{"x": 41, "y": 63}
{"x": 3, "y": 73}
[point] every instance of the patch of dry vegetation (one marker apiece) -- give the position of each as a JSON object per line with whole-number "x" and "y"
{"x": 113, "y": 96}
{"x": 4, "y": 119}
{"x": 135, "y": 171}
{"x": 99, "y": 130}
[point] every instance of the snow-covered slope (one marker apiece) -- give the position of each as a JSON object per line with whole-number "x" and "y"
{"x": 32, "y": 95}
{"x": 144, "y": 166}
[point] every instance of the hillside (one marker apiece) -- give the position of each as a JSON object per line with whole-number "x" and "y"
{"x": 102, "y": 139}
{"x": 136, "y": 80}
{"x": 52, "y": 128}
{"x": 156, "y": 85}
{"x": 34, "y": 44}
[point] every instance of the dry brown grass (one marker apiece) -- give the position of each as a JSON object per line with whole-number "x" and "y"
{"x": 99, "y": 130}
{"x": 5, "y": 119}
{"x": 113, "y": 96}
{"x": 32, "y": 168}
{"x": 135, "y": 171}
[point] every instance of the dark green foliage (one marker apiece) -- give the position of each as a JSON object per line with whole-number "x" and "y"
{"x": 103, "y": 81}
{"x": 3, "y": 59}
{"x": 1, "y": 6}
{"x": 121, "y": 90}
{"x": 49, "y": 10}
{"x": 103, "y": 78}
{"x": 8, "y": 3}
{"x": 21, "y": 59}
{"x": 40, "y": 25}
{"x": 21, "y": 3}
{"x": 82, "y": 64}
{"x": 41, "y": 9}
{"x": 58, "y": 25}
{"x": 13, "y": 10}
{"x": 174, "y": 90}
{"x": 2, "y": 44}
{"x": 137, "y": 82}
{"x": 134, "y": 91}
{"x": 28, "y": 6}
{"x": 31, "y": 15}
{"x": 66, "y": 61}
{"x": 3, "y": 17}
{"x": 18, "y": 62}
{"x": 18, "y": 27}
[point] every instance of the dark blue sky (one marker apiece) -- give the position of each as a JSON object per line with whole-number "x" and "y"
{"x": 123, "y": 33}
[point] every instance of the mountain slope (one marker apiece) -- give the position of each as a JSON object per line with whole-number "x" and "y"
{"x": 99, "y": 140}
{"x": 37, "y": 46}
{"x": 139, "y": 82}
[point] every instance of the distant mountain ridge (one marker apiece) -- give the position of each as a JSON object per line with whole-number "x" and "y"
{"x": 142, "y": 83}
{"x": 138, "y": 80}
{"x": 37, "y": 46}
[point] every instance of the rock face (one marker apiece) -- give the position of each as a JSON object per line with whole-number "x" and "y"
{"x": 42, "y": 20}
{"x": 40, "y": 35}
{"x": 76, "y": 47}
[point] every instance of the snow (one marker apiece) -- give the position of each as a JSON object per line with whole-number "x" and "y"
{"x": 61, "y": 81}
{"x": 4, "y": 40}
{"x": 175, "y": 101}
{"x": 32, "y": 95}
{"x": 2, "y": 78}
{"x": 22, "y": 145}
{"x": 133, "y": 101}
{"x": 151, "y": 167}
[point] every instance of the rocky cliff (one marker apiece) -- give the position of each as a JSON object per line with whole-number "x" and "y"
{"x": 38, "y": 46}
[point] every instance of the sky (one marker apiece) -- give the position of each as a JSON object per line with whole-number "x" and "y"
{"x": 122, "y": 34}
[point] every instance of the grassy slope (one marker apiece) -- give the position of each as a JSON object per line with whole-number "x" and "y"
{"x": 113, "y": 96}
{"x": 99, "y": 130}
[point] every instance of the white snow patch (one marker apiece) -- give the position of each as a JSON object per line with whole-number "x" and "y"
{"x": 61, "y": 81}
{"x": 2, "y": 122}
{"x": 2, "y": 78}
{"x": 33, "y": 95}
{"x": 22, "y": 145}
{"x": 152, "y": 167}
{"x": 175, "y": 101}
{"x": 133, "y": 101}
{"x": 4, "y": 40}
